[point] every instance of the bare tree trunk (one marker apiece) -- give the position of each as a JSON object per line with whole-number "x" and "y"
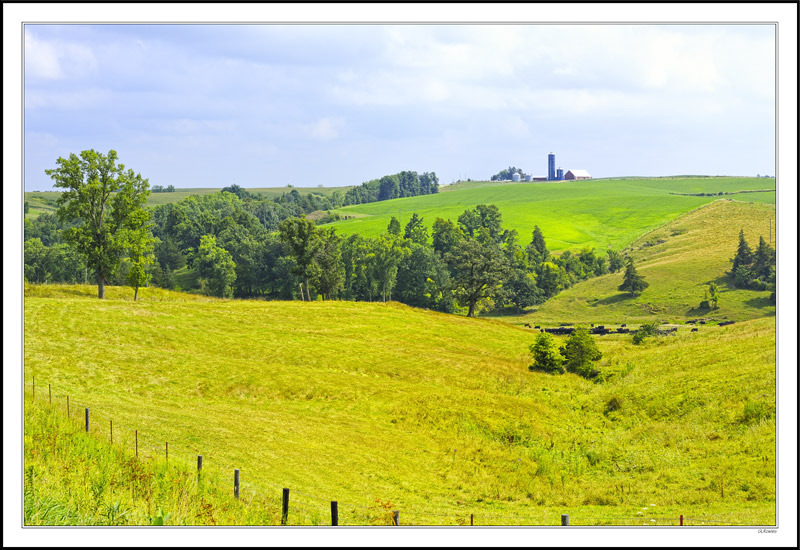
{"x": 101, "y": 286}
{"x": 308, "y": 293}
{"x": 471, "y": 312}
{"x": 384, "y": 292}
{"x": 136, "y": 294}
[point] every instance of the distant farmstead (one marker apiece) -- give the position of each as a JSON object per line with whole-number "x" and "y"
{"x": 577, "y": 175}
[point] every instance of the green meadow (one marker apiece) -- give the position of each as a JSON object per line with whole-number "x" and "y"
{"x": 594, "y": 213}
{"x": 384, "y": 407}
{"x": 678, "y": 260}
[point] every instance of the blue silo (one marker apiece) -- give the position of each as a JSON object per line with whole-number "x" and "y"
{"x": 559, "y": 174}
{"x": 551, "y": 166}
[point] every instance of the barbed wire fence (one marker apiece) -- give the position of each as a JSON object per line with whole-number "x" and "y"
{"x": 284, "y": 504}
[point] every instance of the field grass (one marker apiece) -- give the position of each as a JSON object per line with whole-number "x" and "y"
{"x": 596, "y": 213}
{"x": 678, "y": 260}
{"x": 40, "y": 202}
{"x": 385, "y": 407}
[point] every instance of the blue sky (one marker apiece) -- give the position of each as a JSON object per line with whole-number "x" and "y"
{"x": 271, "y": 105}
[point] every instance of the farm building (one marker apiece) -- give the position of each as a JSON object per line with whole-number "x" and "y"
{"x": 577, "y": 175}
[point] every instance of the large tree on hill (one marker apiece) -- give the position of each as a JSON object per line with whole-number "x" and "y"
{"x": 108, "y": 203}
{"x": 632, "y": 282}
{"x": 477, "y": 270}
{"x": 300, "y": 235}
{"x": 482, "y": 217}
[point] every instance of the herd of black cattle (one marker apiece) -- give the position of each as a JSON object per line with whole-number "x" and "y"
{"x": 567, "y": 328}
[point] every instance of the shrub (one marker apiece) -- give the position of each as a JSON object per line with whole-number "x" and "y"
{"x": 647, "y": 329}
{"x": 545, "y": 357}
{"x": 613, "y": 404}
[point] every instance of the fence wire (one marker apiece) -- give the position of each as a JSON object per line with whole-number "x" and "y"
{"x": 316, "y": 512}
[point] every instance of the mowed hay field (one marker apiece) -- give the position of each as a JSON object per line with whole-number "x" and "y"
{"x": 678, "y": 260}
{"x": 386, "y": 407}
{"x": 594, "y": 213}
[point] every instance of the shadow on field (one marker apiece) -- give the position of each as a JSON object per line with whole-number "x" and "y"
{"x": 760, "y": 302}
{"x": 615, "y": 299}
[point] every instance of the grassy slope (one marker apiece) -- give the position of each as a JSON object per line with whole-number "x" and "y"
{"x": 45, "y": 201}
{"x": 571, "y": 214}
{"x": 696, "y": 250}
{"x": 319, "y": 397}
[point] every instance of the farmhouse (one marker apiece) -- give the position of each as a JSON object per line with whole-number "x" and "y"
{"x": 577, "y": 175}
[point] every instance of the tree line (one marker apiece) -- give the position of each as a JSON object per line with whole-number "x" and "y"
{"x": 237, "y": 244}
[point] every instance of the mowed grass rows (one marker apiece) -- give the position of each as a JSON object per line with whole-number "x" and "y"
{"x": 572, "y": 215}
{"x": 428, "y": 413}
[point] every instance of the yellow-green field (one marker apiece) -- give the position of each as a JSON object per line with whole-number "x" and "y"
{"x": 571, "y": 214}
{"x": 678, "y": 260}
{"x": 386, "y": 407}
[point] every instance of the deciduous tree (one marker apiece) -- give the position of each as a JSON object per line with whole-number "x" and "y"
{"x": 106, "y": 200}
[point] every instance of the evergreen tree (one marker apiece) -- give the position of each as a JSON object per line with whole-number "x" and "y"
{"x": 632, "y": 282}
{"x": 545, "y": 356}
{"x": 580, "y": 352}
{"x": 416, "y": 231}
{"x": 394, "y": 227}
{"x": 744, "y": 256}
{"x": 537, "y": 250}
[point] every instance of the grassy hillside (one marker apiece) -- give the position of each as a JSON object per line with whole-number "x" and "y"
{"x": 382, "y": 407}
{"x": 678, "y": 260}
{"x": 41, "y": 202}
{"x": 45, "y": 201}
{"x": 596, "y": 213}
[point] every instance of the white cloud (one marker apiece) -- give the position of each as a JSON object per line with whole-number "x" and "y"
{"x": 56, "y": 59}
{"x": 41, "y": 58}
{"x": 326, "y": 128}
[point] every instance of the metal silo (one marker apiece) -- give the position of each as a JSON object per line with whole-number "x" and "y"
{"x": 559, "y": 174}
{"x": 515, "y": 176}
{"x": 551, "y": 166}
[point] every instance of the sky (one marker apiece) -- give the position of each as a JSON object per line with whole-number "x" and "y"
{"x": 330, "y": 104}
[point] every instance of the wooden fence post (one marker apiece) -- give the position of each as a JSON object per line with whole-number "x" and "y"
{"x": 470, "y": 519}
{"x": 236, "y": 484}
{"x": 681, "y": 520}
{"x": 334, "y": 513}
{"x": 199, "y": 463}
{"x": 395, "y": 517}
{"x": 564, "y": 519}
{"x": 87, "y": 419}
{"x": 285, "y": 507}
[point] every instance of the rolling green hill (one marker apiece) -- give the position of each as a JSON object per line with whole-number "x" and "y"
{"x": 596, "y": 213}
{"x": 45, "y": 201}
{"x": 385, "y": 407}
{"x": 678, "y": 260}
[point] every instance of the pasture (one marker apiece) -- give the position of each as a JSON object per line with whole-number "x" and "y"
{"x": 382, "y": 406}
{"x": 572, "y": 215}
{"x": 678, "y": 260}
